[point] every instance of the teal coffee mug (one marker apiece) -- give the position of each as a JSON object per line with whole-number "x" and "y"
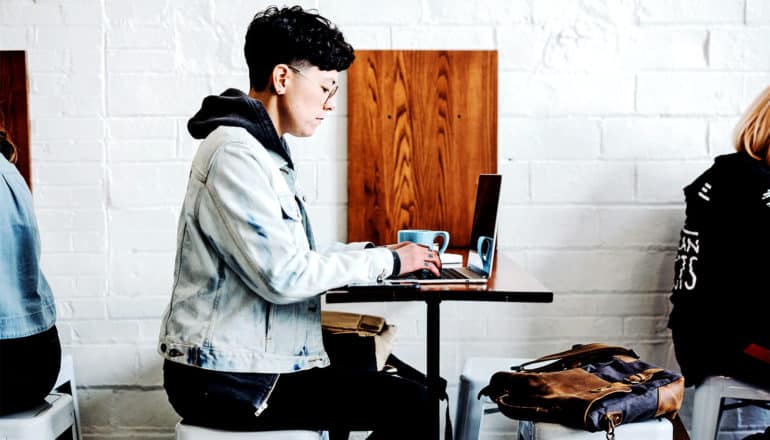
{"x": 485, "y": 246}
{"x": 425, "y": 237}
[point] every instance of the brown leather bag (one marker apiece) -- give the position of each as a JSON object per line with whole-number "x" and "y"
{"x": 357, "y": 341}
{"x": 595, "y": 387}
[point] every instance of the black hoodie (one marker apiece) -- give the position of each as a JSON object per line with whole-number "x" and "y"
{"x": 234, "y": 108}
{"x": 721, "y": 293}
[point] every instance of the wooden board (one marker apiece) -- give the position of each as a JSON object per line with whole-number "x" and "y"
{"x": 422, "y": 125}
{"x": 14, "y": 116}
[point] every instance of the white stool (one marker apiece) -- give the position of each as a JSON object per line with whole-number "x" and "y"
{"x": 46, "y": 421}
{"x": 646, "y": 430}
{"x": 65, "y": 383}
{"x": 475, "y": 376}
{"x": 707, "y": 406}
{"x": 190, "y": 432}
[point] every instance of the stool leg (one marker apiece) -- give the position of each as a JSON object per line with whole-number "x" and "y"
{"x": 469, "y": 411}
{"x": 77, "y": 435}
{"x": 525, "y": 430}
{"x": 706, "y": 410}
{"x": 68, "y": 385}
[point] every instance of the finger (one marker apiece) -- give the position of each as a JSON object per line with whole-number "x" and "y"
{"x": 431, "y": 266}
{"x": 434, "y": 258}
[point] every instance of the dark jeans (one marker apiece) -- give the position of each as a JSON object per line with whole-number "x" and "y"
{"x": 28, "y": 370}
{"x": 335, "y": 400}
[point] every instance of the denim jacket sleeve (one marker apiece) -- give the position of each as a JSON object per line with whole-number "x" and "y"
{"x": 26, "y": 302}
{"x": 355, "y": 246}
{"x": 253, "y": 221}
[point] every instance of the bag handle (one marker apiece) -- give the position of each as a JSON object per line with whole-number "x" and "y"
{"x": 576, "y": 356}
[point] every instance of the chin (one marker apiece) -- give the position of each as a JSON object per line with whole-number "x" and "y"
{"x": 306, "y": 132}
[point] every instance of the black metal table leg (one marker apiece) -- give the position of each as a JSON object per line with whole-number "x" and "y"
{"x": 433, "y": 345}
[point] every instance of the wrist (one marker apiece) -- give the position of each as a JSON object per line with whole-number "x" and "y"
{"x": 396, "y": 264}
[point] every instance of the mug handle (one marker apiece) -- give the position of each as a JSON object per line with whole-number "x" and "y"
{"x": 485, "y": 254}
{"x": 444, "y": 242}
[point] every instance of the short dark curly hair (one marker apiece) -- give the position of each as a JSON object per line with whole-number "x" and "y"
{"x": 292, "y": 35}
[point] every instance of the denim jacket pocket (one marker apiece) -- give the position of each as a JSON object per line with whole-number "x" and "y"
{"x": 289, "y": 207}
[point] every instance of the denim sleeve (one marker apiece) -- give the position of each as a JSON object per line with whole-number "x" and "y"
{"x": 26, "y": 301}
{"x": 354, "y": 246}
{"x": 242, "y": 210}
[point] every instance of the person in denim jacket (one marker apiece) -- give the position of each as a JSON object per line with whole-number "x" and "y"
{"x": 30, "y": 354}
{"x": 241, "y": 336}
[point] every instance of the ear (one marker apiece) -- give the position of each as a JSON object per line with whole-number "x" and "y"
{"x": 278, "y": 79}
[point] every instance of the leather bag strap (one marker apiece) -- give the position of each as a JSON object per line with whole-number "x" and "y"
{"x": 576, "y": 356}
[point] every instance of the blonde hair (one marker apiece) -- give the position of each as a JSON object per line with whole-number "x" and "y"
{"x": 752, "y": 134}
{"x": 7, "y": 148}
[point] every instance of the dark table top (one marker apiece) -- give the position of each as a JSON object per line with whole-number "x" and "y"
{"x": 508, "y": 283}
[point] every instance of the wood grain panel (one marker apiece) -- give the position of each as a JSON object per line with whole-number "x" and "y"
{"x": 14, "y": 116}
{"x": 422, "y": 125}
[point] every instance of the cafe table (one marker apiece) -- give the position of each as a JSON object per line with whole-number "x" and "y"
{"x": 507, "y": 283}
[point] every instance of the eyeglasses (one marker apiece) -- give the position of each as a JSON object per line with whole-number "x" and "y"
{"x": 329, "y": 92}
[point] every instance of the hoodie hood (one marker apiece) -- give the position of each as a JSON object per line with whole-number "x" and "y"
{"x": 233, "y": 108}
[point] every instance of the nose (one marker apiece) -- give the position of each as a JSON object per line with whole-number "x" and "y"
{"x": 331, "y": 103}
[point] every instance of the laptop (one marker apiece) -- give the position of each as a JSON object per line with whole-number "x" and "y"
{"x": 484, "y": 225}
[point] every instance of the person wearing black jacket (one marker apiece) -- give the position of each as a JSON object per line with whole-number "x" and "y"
{"x": 720, "y": 320}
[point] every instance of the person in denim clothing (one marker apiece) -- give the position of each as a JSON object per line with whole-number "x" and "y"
{"x": 241, "y": 336}
{"x": 30, "y": 354}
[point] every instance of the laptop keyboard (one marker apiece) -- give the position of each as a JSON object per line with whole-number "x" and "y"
{"x": 446, "y": 274}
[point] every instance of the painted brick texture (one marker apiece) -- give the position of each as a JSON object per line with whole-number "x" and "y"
{"x": 607, "y": 109}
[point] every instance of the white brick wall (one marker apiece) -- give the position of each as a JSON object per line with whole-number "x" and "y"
{"x": 606, "y": 110}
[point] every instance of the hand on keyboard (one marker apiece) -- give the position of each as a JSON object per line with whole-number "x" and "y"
{"x": 415, "y": 257}
{"x": 445, "y": 274}
{"x": 425, "y": 275}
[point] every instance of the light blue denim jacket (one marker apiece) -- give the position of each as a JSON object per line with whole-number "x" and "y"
{"x": 26, "y": 302}
{"x": 246, "y": 283}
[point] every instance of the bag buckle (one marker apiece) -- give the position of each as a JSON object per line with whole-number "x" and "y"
{"x": 610, "y": 429}
{"x": 613, "y": 419}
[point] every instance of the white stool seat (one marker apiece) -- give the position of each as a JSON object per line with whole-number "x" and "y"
{"x": 190, "y": 432}
{"x": 46, "y": 421}
{"x": 646, "y": 430}
{"x": 475, "y": 376}
{"x": 707, "y": 405}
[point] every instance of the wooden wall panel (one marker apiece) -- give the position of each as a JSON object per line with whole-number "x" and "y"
{"x": 14, "y": 116}
{"x": 422, "y": 125}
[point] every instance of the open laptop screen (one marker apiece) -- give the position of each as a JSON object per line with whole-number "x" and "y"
{"x": 484, "y": 219}
{"x": 485, "y": 213}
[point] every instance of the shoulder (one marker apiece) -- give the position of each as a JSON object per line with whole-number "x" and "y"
{"x": 734, "y": 163}
{"x": 729, "y": 172}
{"x": 734, "y": 180}
{"x": 225, "y": 145}
{"x": 15, "y": 196}
{"x": 11, "y": 179}
{"x": 741, "y": 172}
{"x": 7, "y": 168}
